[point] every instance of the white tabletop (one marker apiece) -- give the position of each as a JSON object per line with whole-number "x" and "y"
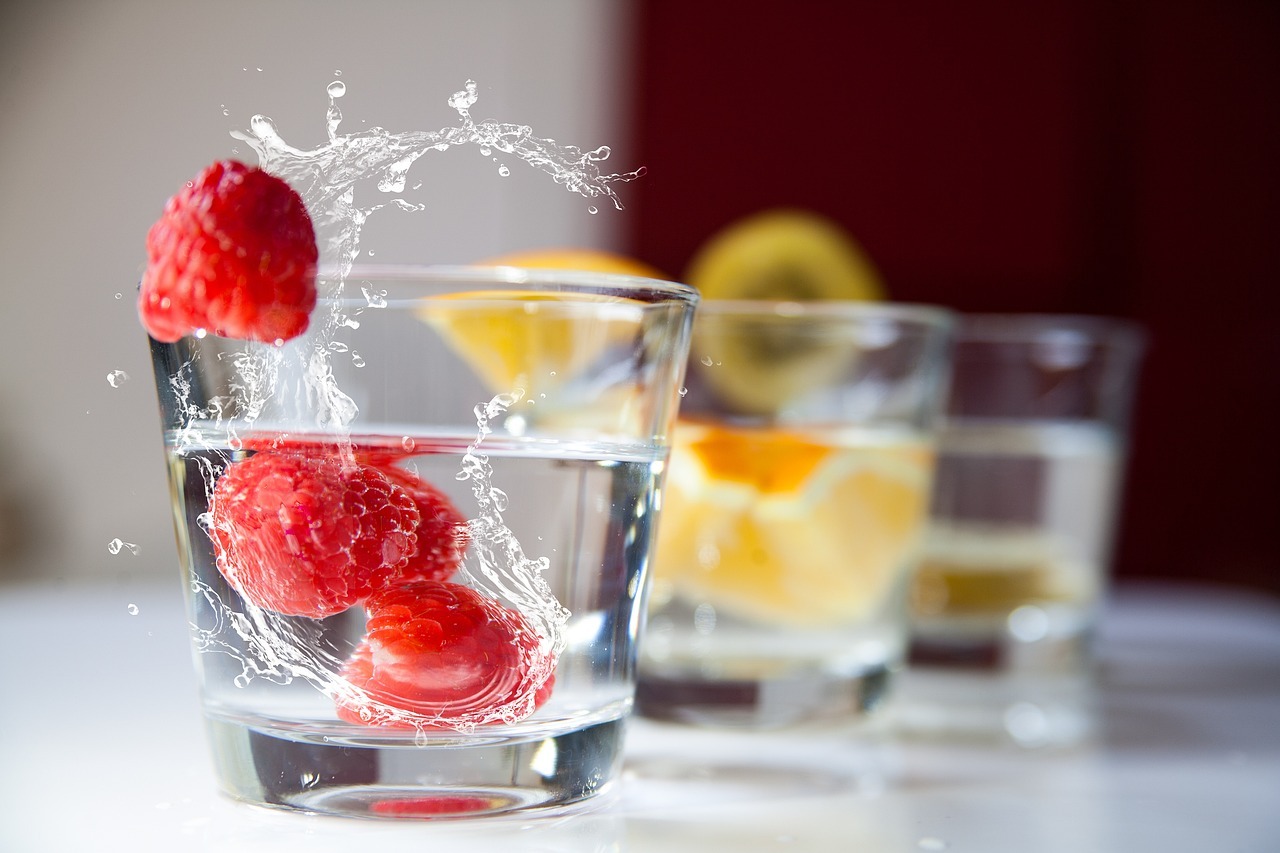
{"x": 103, "y": 749}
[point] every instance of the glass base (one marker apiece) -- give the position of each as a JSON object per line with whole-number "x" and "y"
{"x": 468, "y": 777}
{"x": 998, "y": 681}
{"x": 786, "y": 700}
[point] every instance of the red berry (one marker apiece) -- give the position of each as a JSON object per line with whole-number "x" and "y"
{"x": 309, "y": 536}
{"x": 442, "y": 531}
{"x": 234, "y": 253}
{"x": 440, "y": 649}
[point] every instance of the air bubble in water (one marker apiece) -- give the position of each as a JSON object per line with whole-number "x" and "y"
{"x": 337, "y": 89}
{"x": 116, "y": 378}
{"x": 133, "y": 610}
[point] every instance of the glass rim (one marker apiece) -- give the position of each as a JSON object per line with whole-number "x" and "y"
{"x": 835, "y": 309}
{"x": 1014, "y": 328}
{"x": 516, "y": 276}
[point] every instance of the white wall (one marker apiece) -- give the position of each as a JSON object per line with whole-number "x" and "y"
{"x": 107, "y": 107}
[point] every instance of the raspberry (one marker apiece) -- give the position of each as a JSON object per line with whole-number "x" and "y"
{"x": 234, "y": 253}
{"x": 309, "y": 536}
{"x": 442, "y": 531}
{"x": 440, "y": 649}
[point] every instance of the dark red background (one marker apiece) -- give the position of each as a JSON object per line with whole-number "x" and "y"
{"x": 1079, "y": 157}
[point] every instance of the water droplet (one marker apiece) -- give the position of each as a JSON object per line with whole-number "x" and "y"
{"x": 115, "y": 546}
{"x": 309, "y": 779}
{"x": 119, "y": 296}
{"x": 356, "y": 359}
{"x": 225, "y": 111}
{"x": 485, "y": 150}
{"x": 337, "y": 73}
{"x": 116, "y": 378}
{"x": 133, "y": 610}
{"x": 504, "y": 171}
{"x": 593, "y": 210}
{"x": 408, "y": 444}
{"x": 684, "y": 391}
{"x": 706, "y": 359}
{"x": 337, "y": 89}
{"x": 259, "y": 69}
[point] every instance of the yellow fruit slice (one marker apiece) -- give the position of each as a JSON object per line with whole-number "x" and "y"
{"x": 759, "y": 364}
{"x": 530, "y": 340}
{"x": 585, "y": 260}
{"x": 784, "y": 254}
{"x": 787, "y": 528}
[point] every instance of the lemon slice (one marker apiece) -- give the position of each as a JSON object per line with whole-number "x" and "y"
{"x": 529, "y": 340}
{"x": 762, "y": 363}
{"x": 787, "y": 528}
{"x": 584, "y": 260}
{"x": 787, "y": 255}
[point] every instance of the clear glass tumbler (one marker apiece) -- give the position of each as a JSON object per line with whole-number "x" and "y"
{"x": 1025, "y": 509}
{"x": 793, "y": 511}
{"x": 416, "y": 538}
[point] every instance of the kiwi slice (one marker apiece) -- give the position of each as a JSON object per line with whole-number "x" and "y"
{"x": 758, "y": 362}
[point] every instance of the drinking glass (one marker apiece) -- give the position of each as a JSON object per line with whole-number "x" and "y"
{"x": 415, "y": 539}
{"x": 793, "y": 510}
{"x": 1024, "y": 513}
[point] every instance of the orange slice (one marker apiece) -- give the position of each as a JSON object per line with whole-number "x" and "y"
{"x": 790, "y": 528}
{"x": 586, "y": 260}
{"x": 534, "y": 341}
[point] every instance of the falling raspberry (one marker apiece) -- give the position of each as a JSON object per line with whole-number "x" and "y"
{"x": 233, "y": 253}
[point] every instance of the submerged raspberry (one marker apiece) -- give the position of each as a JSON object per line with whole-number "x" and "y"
{"x": 309, "y": 536}
{"x": 442, "y": 650}
{"x": 441, "y": 533}
{"x": 234, "y": 253}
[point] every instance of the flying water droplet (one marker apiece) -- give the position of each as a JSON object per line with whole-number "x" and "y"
{"x": 115, "y": 546}
{"x": 408, "y": 444}
{"x": 504, "y": 171}
{"x": 133, "y": 610}
{"x": 225, "y": 111}
{"x": 706, "y": 359}
{"x": 337, "y": 89}
{"x": 119, "y": 296}
{"x": 593, "y": 210}
{"x": 357, "y": 359}
{"x": 116, "y": 378}
{"x": 683, "y": 391}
